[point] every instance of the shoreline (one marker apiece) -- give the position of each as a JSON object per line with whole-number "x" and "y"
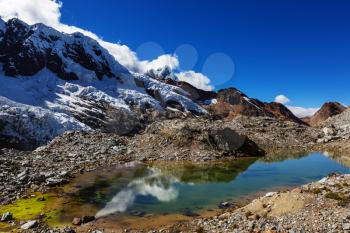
{"x": 167, "y": 219}
{"x": 67, "y": 157}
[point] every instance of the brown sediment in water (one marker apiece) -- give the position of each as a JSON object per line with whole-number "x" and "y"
{"x": 119, "y": 223}
{"x": 149, "y": 222}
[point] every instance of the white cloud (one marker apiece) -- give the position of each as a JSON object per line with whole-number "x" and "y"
{"x": 302, "y": 112}
{"x": 298, "y": 111}
{"x": 155, "y": 185}
{"x": 31, "y": 11}
{"x": 48, "y": 12}
{"x": 164, "y": 60}
{"x": 282, "y": 99}
{"x": 196, "y": 79}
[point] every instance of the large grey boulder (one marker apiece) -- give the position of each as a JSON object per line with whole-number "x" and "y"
{"x": 227, "y": 139}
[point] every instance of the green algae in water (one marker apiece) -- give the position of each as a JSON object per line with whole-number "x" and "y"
{"x": 30, "y": 208}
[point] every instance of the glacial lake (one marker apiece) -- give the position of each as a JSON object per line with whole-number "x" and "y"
{"x": 186, "y": 188}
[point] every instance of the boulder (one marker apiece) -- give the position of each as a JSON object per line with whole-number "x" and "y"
{"x": 30, "y": 224}
{"x": 54, "y": 181}
{"x": 329, "y": 131}
{"x": 87, "y": 219}
{"x": 227, "y": 139}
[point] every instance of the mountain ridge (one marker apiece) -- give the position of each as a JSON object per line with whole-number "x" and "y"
{"x": 328, "y": 110}
{"x": 71, "y": 80}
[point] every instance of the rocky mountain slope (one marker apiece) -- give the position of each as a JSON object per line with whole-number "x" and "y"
{"x": 51, "y": 82}
{"x": 337, "y": 127}
{"x": 328, "y": 110}
{"x": 232, "y": 102}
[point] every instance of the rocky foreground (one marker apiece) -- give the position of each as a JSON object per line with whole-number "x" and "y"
{"x": 322, "y": 206}
{"x": 318, "y": 207}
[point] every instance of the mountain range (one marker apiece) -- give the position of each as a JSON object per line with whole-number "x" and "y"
{"x": 52, "y": 82}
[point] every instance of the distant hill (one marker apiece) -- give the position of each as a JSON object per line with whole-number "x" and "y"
{"x": 328, "y": 110}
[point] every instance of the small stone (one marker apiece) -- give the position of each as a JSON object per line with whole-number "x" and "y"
{"x": 68, "y": 230}
{"x": 41, "y": 216}
{"x": 41, "y": 199}
{"x": 297, "y": 190}
{"x": 6, "y": 217}
{"x": 270, "y": 194}
{"x": 250, "y": 225}
{"x": 29, "y": 225}
{"x": 224, "y": 205}
{"x": 137, "y": 213}
{"x": 346, "y": 226}
{"x": 189, "y": 213}
{"x": 76, "y": 221}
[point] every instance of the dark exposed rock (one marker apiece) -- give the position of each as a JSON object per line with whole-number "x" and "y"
{"x": 189, "y": 213}
{"x": 195, "y": 93}
{"x": 21, "y": 55}
{"x": 227, "y": 139}
{"x": 282, "y": 112}
{"x": 86, "y": 219}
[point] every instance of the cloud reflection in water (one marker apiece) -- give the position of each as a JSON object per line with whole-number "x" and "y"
{"x": 154, "y": 184}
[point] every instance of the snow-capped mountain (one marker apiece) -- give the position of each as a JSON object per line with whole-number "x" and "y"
{"x": 51, "y": 82}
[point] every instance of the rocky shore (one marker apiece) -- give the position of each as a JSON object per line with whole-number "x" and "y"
{"x": 321, "y": 206}
{"x": 195, "y": 139}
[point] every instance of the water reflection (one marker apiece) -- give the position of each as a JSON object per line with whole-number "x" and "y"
{"x": 205, "y": 172}
{"x": 154, "y": 184}
{"x": 172, "y": 187}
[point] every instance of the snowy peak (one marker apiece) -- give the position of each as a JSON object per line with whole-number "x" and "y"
{"x": 25, "y": 50}
{"x": 51, "y": 82}
{"x": 164, "y": 73}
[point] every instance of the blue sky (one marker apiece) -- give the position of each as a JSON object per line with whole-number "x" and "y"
{"x": 297, "y": 48}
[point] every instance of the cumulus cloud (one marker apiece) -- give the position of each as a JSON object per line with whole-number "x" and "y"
{"x": 155, "y": 185}
{"x": 196, "y": 79}
{"x": 282, "y": 99}
{"x": 302, "y": 112}
{"x": 298, "y": 111}
{"x": 162, "y": 61}
{"x": 48, "y": 12}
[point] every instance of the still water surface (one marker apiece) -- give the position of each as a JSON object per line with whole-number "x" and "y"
{"x": 172, "y": 187}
